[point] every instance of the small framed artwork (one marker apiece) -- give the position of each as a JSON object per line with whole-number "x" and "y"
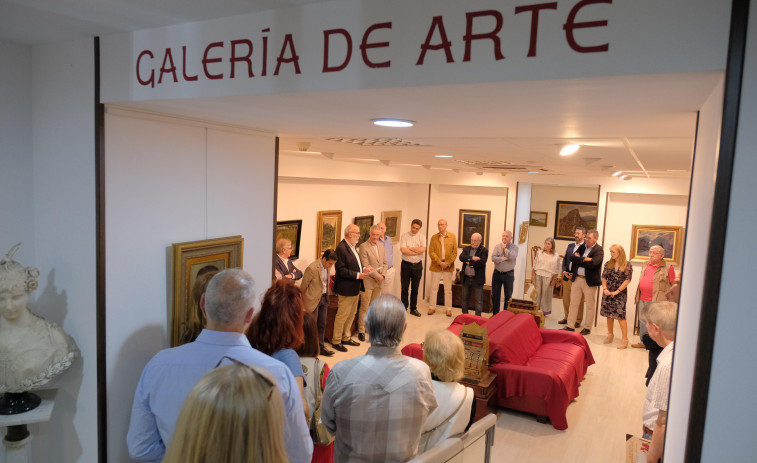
{"x": 523, "y": 233}
{"x": 473, "y": 221}
{"x": 644, "y": 237}
{"x": 571, "y": 214}
{"x": 364, "y": 223}
{"x": 291, "y": 230}
{"x": 392, "y": 220}
{"x": 189, "y": 259}
{"x": 328, "y": 232}
{"x": 538, "y": 219}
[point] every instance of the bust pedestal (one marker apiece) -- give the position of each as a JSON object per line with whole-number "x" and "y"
{"x": 16, "y": 441}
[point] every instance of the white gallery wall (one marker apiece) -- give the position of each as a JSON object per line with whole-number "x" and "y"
{"x": 167, "y": 181}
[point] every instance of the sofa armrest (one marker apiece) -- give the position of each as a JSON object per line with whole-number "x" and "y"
{"x": 555, "y": 336}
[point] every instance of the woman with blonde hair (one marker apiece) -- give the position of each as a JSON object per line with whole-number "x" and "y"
{"x": 547, "y": 266}
{"x": 616, "y": 277}
{"x": 443, "y": 352}
{"x": 234, "y": 413}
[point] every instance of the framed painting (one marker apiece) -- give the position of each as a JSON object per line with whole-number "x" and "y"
{"x": 644, "y": 237}
{"x": 189, "y": 259}
{"x": 538, "y": 219}
{"x": 523, "y": 233}
{"x": 364, "y": 223}
{"x": 392, "y": 220}
{"x": 473, "y": 221}
{"x": 571, "y": 214}
{"x": 291, "y": 230}
{"x": 328, "y": 232}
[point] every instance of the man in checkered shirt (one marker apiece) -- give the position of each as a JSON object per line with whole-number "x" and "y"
{"x": 376, "y": 404}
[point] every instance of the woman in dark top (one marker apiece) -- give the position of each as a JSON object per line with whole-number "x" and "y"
{"x": 616, "y": 277}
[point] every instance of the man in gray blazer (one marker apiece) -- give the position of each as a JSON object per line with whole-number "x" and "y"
{"x": 315, "y": 289}
{"x": 372, "y": 255}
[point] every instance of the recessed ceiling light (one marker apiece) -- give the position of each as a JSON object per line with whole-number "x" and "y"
{"x": 567, "y": 150}
{"x": 617, "y": 173}
{"x": 532, "y": 172}
{"x": 393, "y": 122}
{"x": 443, "y": 156}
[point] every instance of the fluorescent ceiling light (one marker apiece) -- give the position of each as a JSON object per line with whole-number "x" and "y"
{"x": 393, "y": 122}
{"x": 617, "y": 173}
{"x": 623, "y": 176}
{"x": 533, "y": 172}
{"x": 443, "y": 156}
{"x": 567, "y": 150}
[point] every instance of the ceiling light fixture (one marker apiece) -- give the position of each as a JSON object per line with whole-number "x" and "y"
{"x": 617, "y": 173}
{"x": 623, "y": 177}
{"x": 567, "y": 150}
{"x": 532, "y": 172}
{"x": 393, "y": 122}
{"x": 443, "y": 156}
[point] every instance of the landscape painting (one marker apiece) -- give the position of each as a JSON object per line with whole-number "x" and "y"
{"x": 571, "y": 214}
{"x": 644, "y": 237}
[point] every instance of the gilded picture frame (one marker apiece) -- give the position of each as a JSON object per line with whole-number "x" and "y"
{"x": 572, "y": 214}
{"x": 643, "y": 237}
{"x": 188, "y": 259}
{"x": 538, "y": 219}
{"x": 393, "y": 222}
{"x": 328, "y": 231}
{"x": 473, "y": 221}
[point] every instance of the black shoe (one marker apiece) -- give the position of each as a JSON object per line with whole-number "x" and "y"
{"x": 563, "y": 322}
{"x": 339, "y": 347}
{"x": 361, "y": 337}
{"x": 415, "y": 312}
{"x": 585, "y": 331}
{"x": 578, "y": 324}
{"x": 350, "y": 342}
{"x": 567, "y": 328}
{"x": 325, "y": 351}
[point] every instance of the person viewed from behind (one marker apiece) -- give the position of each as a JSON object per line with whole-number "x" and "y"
{"x": 277, "y": 330}
{"x": 442, "y": 250}
{"x": 616, "y": 277}
{"x": 544, "y": 274}
{"x": 375, "y": 404}
{"x": 473, "y": 273}
{"x": 661, "y": 326}
{"x": 657, "y": 277}
{"x": 234, "y": 413}
{"x": 316, "y": 373}
{"x": 196, "y": 320}
{"x": 170, "y": 375}
{"x": 444, "y": 353}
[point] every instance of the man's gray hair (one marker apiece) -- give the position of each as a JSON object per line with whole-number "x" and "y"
{"x": 659, "y": 249}
{"x": 385, "y": 321}
{"x": 662, "y": 314}
{"x": 229, "y": 296}
{"x": 376, "y": 227}
{"x": 348, "y": 227}
{"x": 593, "y": 233}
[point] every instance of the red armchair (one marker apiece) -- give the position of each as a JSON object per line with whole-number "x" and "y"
{"x": 538, "y": 370}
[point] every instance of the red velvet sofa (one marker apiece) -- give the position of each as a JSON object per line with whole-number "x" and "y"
{"x": 538, "y": 370}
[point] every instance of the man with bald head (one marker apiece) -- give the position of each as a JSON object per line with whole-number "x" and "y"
{"x": 473, "y": 274}
{"x": 170, "y": 375}
{"x": 348, "y": 284}
{"x": 503, "y": 256}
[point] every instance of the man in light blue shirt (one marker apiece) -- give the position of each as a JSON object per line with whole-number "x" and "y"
{"x": 387, "y": 286}
{"x": 171, "y": 374}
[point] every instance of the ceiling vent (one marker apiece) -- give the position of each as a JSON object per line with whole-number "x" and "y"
{"x": 500, "y": 166}
{"x": 376, "y": 141}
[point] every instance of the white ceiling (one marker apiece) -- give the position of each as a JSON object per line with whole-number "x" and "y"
{"x": 641, "y": 124}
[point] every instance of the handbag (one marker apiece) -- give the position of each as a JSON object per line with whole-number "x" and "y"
{"x": 318, "y": 431}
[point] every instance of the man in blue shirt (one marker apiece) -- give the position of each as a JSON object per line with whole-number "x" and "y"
{"x": 169, "y": 376}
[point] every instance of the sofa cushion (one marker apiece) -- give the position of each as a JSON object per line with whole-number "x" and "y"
{"x": 497, "y": 321}
{"x": 515, "y": 341}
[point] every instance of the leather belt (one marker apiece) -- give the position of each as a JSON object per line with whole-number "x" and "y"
{"x": 581, "y": 276}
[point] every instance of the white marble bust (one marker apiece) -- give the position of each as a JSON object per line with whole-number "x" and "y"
{"x": 33, "y": 350}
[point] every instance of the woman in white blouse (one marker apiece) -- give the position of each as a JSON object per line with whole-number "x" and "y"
{"x": 444, "y": 353}
{"x": 546, "y": 268}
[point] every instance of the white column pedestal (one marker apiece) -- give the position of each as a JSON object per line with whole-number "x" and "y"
{"x": 20, "y": 451}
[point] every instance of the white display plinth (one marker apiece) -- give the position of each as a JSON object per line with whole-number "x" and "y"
{"x": 20, "y": 451}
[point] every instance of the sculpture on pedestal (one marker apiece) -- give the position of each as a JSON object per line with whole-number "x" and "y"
{"x": 33, "y": 350}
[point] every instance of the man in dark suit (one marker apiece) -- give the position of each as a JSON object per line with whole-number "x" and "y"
{"x": 473, "y": 274}
{"x": 348, "y": 283}
{"x": 284, "y": 267}
{"x": 587, "y": 266}
{"x": 567, "y": 278}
